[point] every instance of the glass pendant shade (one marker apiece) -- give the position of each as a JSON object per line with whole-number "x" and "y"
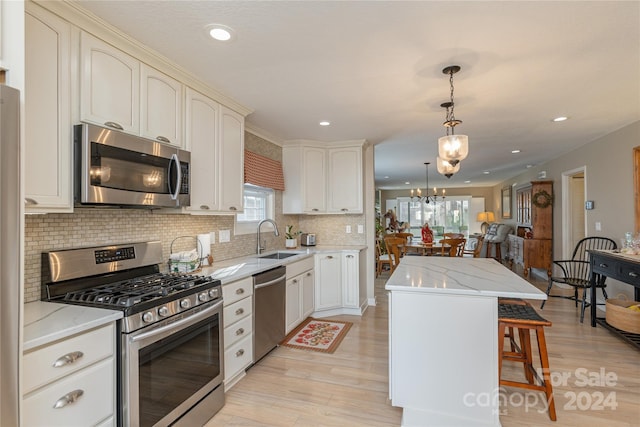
{"x": 453, "y": 148}
{"x": 445, "y": 168}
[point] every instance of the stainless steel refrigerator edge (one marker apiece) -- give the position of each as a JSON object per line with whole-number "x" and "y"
{"x": 10, "y": 228}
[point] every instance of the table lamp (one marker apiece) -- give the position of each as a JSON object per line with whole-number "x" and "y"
{"x": 485, "y": 218}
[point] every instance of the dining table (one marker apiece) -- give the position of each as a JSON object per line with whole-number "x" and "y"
{"x": 422, "y": 248}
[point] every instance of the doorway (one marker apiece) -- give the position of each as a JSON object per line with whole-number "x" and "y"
{"x": 574, "y": 190}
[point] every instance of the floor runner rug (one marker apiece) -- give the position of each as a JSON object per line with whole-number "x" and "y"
{"x": 317, "y": 335}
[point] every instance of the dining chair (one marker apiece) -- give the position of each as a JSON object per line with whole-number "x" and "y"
{"x": 576, "y": 272}
{"x": 382, "y": 258}
{"x": 452, "y": 247}
{"x": 393, "y": 248}
{"x": 453, "y": 236}
{"x": 407, "y": 237}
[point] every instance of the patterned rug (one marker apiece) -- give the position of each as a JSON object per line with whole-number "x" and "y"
{"x": 317, "y": 335}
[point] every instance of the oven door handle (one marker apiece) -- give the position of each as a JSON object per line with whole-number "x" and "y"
{"x": 172, "y": 327}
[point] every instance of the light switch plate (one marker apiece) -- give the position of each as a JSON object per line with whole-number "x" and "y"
{"x": 360, "y": 228}
{"x": 348, "y": 229}
{"x": 225, "y": 236}
{"x": 598, "y": 226}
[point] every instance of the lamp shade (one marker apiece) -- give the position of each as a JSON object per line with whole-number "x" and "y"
{"x": 445, "y": 168}
{"x": 485, "y": 217}
{"x": 453, "y": 148}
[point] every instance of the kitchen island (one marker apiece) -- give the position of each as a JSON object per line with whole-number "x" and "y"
{"x": 443, "y": 330}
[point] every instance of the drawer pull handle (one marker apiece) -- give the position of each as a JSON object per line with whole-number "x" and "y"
{"x": 114, "y": 125}
{"x": 233, "y": 208}
{"x": 239, "y": 353}
{"x": 204, "y": 207}
{"x": 240, "y": 331}
{"x": 239, "y": 311}
{"x": 633, "y": 274}
{"x": 315, "y": 209}
{"x": 29, "y": 201}
{"x": 349, "y": 256}
{"x": 163, "y": 139}
{"x": 329, "y": 256}
{"x": 239, "y": 291}
{"x": 68, "y": 399}
{"x": 603, "y": 265}
{"x": 67, "y": 359}
{"x": 344, "y": 210}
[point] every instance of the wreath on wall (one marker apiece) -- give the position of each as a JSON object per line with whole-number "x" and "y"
{"x": 542, "y": 199}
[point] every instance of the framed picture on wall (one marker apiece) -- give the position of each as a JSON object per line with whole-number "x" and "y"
{"x": 506, "y": 202}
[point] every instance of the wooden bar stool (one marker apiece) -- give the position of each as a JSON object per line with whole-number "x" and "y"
{"x": 524, "y": 318}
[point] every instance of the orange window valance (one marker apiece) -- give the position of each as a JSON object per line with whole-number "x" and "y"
{"x": 263, "y": 171}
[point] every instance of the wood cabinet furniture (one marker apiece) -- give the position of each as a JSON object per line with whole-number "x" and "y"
{"x": 72, "y": 381}
{"x": 538, "y": 250}
{"x": 299, "y": 294}
{"x": 215, "y": 137}
{"x": 238, "y": 329}
{"x": 321, "y": 179}
{"x": 48, "y": 148}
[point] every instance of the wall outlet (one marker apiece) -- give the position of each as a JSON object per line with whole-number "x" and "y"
{"x": 225, "y": 236}
{"x": 212, "y": 236}
{"x": 360, "y": 229}
{"x": 348, "y": 229}
{"x": 598, "y": 226}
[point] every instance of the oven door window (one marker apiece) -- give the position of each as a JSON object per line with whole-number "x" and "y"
{"x": 172, "y": 369}
{"x": 121, "y": 169}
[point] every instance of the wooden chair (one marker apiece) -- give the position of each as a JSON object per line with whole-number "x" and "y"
{"x": 407, "y": 237}
{"x": 456, "y": 247}
{"x": 576, "y": 272}
{"x": 382, "y": 259}
{"x": 393, "y": 248}
{"x": 525, "y": 319}
{"x": 453, "y": 236}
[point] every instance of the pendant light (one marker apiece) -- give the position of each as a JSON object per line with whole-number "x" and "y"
{"x": 445, "y": 168}
{"x": 452, "y": 148}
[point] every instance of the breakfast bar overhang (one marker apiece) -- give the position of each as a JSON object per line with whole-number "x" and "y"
{"x": 443, "y": 331}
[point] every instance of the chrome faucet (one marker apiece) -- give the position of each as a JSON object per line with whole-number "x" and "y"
{"x": 260, "y": 247}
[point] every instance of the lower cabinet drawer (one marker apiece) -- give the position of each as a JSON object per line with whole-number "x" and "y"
{"x": 238, "y": 331}
{"x": 238, "y": 356}
{"x": 93, "y": 388}
{"x": 236, "y": 311}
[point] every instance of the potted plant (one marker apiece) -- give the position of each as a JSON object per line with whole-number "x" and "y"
{"x": 291, "y": 237}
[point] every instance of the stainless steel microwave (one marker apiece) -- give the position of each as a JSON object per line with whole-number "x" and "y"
{"x": 113, "y": 168}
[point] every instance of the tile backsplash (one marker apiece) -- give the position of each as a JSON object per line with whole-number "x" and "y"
{"x": 95, "y": 227}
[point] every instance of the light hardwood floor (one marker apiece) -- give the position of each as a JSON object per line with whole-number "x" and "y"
{"x": 292, "y": 387}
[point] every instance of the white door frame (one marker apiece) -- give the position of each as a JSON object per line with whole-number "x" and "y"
{"x": 567, "y": 247}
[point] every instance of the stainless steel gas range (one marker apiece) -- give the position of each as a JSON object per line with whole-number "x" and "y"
{"x": 170, "y": 364}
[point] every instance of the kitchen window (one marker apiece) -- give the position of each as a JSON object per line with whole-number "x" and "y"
{"x": 258, "y": 205}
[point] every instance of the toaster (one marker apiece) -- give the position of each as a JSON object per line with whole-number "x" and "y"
{"x": 308, "y": 239}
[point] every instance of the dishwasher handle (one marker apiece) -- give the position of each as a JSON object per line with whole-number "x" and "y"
{"x": 270, "y": 282}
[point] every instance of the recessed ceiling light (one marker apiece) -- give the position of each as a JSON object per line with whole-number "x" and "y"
{"x": 386, "y": 177}
{"x": 467, "y": 182}
{"x": 408, "y": 183}
{"x": 529, "y": 166}
{"x": 486, "y": 172}
{"x": 560, "y": 119}
{"x": 325, "y": 123}
{"x": 515, "y": 151}
{"x": 220, "y": 32}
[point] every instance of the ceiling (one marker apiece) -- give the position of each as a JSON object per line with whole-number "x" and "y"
{"x": 374, "y": 70}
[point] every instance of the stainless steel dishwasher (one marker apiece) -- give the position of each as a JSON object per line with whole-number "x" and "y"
{"x": 269, "y": 289}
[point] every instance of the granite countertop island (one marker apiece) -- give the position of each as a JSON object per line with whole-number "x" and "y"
{"x": 443, "y": 338}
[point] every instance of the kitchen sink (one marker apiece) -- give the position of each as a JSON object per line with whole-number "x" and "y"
{"x": 279, "y": 255}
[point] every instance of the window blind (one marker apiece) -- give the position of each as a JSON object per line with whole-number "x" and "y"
{"x": 263, "y": 171}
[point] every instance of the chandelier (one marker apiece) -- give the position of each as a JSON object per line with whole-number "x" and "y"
{"x": 452, "y": 148}
{"x": 427, "y": 198}
{"x": 445, "y": 168}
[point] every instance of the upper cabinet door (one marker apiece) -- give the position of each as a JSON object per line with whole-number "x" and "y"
{"x": 231, "y": 161}
{"x": 48, "y": 180}
{"x": 109, "y": 86}
{"x": 345, "y": 180}
{"x": 161, "y": 106}
{"x": 314, "y": 179}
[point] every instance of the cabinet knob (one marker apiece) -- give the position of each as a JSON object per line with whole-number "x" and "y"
{"x": 114, "y": 125}
{"x": 233, "y": 208}
{"x": 240, "y": 331}
{"x": 68, "y": 399}
{"x": 349, "y": 256}
{"x": 308, "y": 273}
{"x": 239, "y": 311}
{"x": 239, "y": 353}
{"x": 239, "y": 291}
{"x": 163, "y": 139}
{"x": 295, "y": 280}
{"x": 344, "y": 210}
{"x": 67, "y": 359}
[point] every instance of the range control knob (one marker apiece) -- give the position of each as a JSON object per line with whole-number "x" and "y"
{"x": 185, "y": 303}
{"x": 147, "y": 317}
{"x": 163, "y": 311}
{"x": 203, "y": 297}
{"x": 213, "y": 293}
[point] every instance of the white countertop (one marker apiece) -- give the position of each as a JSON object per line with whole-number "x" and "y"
{"x": 235, "y": 269}
{"x": 45, "y": 322}
{"x": 455, "y": 275}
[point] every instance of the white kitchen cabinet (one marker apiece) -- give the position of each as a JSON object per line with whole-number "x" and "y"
{"x": 48, "y": 147}
{"x": 215, "y": 137}
{"x": 321, "y": 179}
{"x": 328, "y": 289}
{"x": 238, "y": 329}
{"x": 109, "y": 85}
{"x": 77, "y": 375}
{"x": 344, "y": 189}
{"x": 350, "y": 279}
{"x": 299, "y": 292}
{"x": 160, "y": 106}
{"x": 201, "y": 131}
